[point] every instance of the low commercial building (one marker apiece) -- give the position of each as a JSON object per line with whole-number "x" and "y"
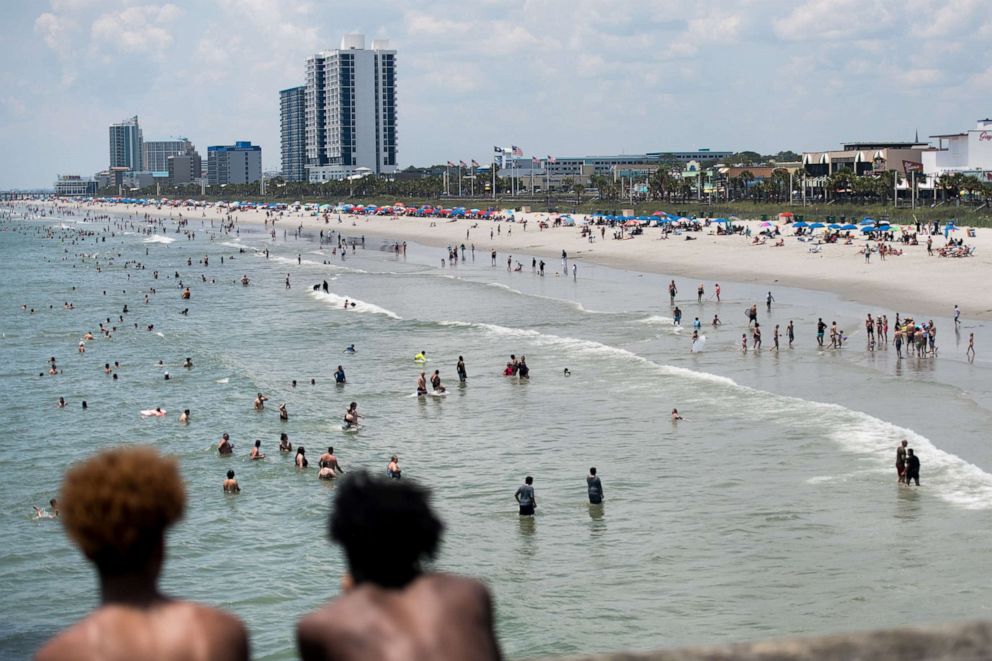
{"x": 968, "y": 153}
{"x": 73, "y": 185}
{"x": 240, "y": 163}
{"x": 866, "y": 158}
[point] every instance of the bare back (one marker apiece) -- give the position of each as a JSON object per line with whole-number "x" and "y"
{"x": 437, "y": 617}
{"x": 170, "y": 630}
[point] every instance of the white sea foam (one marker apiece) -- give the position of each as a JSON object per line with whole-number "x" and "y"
{"x": 231, "y": 244}
{"x": 361, "y": 307}
{"x": 948, "y": 476}
{"x": 158, "y": 238}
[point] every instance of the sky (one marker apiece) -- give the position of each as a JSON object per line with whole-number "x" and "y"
{"x": 554, "y": 77}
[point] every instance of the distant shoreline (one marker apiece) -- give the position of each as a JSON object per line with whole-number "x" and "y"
{"x": 913, "y": 283}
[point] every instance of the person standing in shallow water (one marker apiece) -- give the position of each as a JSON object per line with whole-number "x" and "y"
{"x": 525, "y": 497}
{"x": 139, "y": 494}
{"x": 912, "y": 467}
{"x": 595, "y": 487}
{"x": 390, "y": 608}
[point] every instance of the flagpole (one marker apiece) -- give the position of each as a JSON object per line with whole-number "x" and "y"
{"x": 493, "y": 170}
{"x": 459, "y": 178}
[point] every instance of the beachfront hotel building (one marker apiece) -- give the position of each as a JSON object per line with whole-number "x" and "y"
{"x": 184, "y": 168}
{"x": 968, "y": 153}
{"x": 125, "y": 144}
{"x": 350, "y": 110}
{"x": 292, "y": 129}
{"x": 155, "y": 153}
{"x": 240, "y": 163}
{"x": 73, "y": 185}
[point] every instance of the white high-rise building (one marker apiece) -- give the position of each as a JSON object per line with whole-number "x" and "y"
{"x": 350, "y": 110}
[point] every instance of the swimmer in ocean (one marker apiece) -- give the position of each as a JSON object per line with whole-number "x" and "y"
{"x": 436, "y": 382}
{"x": 393, "y": 468}
{"x": 184, "y": 417}
{"x": 42, "y": 514}
{"x": 422, "y": 384}
{"x": 349, "y": 349}
{"x": 460, "y": 368}
{"x": 225, "y": 446}
{"x": 339, "y": 376}
{"x": 284, "y": 444}
{"x": 675, "y": 415}
{"x": 351, "y": 416}
{"x": 283, "y": 413}
{"x": 568, "y": 372}
{"x": 256, "y": 452}
{"x": 421, "y": 357}
{"x": 260, "y": 401}
{"x": 328, "y": 464}
{"x": 231, "y": 484}
{"x": 61, "y": 403}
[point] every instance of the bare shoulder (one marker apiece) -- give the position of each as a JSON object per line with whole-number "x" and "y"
{"x": 225, "y": 632}
{"x": 464, "y": 590}
{"x": 65, "y": 645}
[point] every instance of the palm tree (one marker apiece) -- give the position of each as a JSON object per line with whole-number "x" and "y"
{"x": 578, "y": 189}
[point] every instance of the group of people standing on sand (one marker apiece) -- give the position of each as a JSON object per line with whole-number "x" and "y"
{"x": 917, "y": 338}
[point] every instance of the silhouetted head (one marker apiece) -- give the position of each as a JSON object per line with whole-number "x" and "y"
{"x": 117, "y": 505}
{"x": 369, "y": 510}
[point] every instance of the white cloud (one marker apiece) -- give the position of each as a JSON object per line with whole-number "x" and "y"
{"x": 835, "y": 19}
{"x": 138, "y": 30}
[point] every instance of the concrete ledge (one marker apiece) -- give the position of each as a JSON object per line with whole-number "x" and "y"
{"x": 971, "y": 641}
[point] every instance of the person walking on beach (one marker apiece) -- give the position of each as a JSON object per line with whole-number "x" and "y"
{"x": 790, "y": 332}
{"x": 672, "y": 291}
{"x": 525, "y": 497}
{"x": 971, "y": 347}
{"x": 957, "y": 317}
{"x": 756, "y": 333}
{"x": 140, "y": 494}
{"x": 768, "y": 301}
{"x": 717, "y": 290}
{"x": 775, "y": 337}
{"x": 912, "y": 467}
{"x": 821, "y": 326}
{"x": 744, "y": 342}
{"x": 699, "y": 293}
{"x": 460, "y": 368}
{"x": 677, "y": 316}
{"x": 387, "y": 602}
{"x": 594, "y": 486}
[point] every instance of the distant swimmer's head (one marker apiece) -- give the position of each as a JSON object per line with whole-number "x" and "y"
{"x": 368, "y": 510}
{"x": 117, "y": 506}
{"x": 230, "y": 474}
{"x": 568, "y": 372}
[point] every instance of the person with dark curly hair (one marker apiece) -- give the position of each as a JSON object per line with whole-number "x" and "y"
{"x": 116, "y": 507}
{"x": 391, "y": 608}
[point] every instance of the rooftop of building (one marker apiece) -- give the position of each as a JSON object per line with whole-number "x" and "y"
{"x": 241, "y": 145}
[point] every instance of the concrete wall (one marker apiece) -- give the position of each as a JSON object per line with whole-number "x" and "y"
{"x": 949, "y": 642}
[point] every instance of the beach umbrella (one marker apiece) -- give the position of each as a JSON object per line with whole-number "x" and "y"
{"x": 816, "y": 226}
{"x": 767, "y": 224}
{"x": 721, "y": 220}
{"x": 849, "y": 227}
{"x": 867, "y": 221}
{"x": 834, "y": 226}
{"x": 801, "y": 223}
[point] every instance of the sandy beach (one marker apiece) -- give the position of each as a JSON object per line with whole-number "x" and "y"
{"x": 914, "y": 282}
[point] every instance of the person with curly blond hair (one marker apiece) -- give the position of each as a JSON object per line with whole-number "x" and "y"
{"x": 116, "y": 507}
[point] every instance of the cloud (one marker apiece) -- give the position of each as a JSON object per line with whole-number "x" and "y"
{"x": 835, "y": 20}
{"x": 138, "y": 30}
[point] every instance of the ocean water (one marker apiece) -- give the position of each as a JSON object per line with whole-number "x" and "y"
{"x": 772, "y": 509}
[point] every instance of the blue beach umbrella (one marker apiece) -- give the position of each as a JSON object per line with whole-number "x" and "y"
{"x": 849, "y": 227}
{"x": 801, "y": 223}
{"x": 834, "y": 226}
{"x": 816, "y": 226}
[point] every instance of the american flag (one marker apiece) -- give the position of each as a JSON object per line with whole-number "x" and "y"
{"x": 516, "y": 151}
{"x": 450, "y": 164}
{"x": 475, "y": 163}
{"x": 498, "y": 150}
{"x": 552, "y": 159}
{"x": 462, "y": 163}
{"x": 535, "y": 160}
